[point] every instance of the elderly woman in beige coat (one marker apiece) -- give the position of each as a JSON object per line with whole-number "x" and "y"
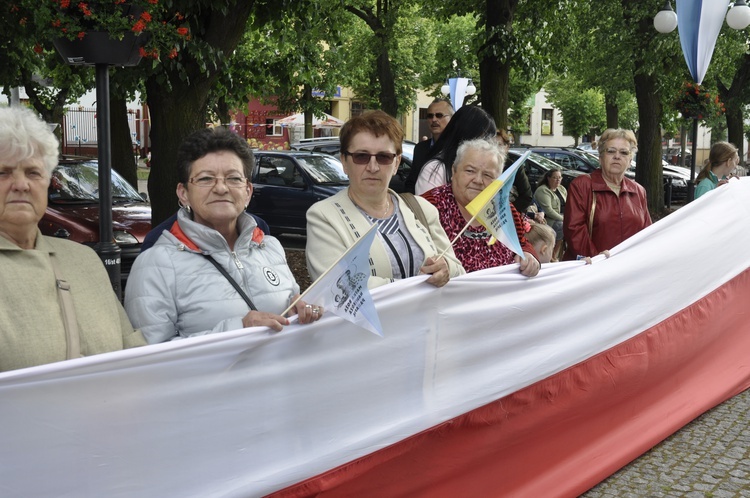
{"x": 56, "y": 301}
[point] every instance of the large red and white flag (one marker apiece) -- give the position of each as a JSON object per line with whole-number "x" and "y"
{"x": 494, "y": 385}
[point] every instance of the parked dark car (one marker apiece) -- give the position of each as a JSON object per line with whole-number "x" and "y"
{"x": 333, "y": 146}
{"x": 679, "y": 181}
{"x": 570, "y": 158}
{"x": 73, "y": 209}
{"x": 536, "y": 166}
{"x": 586, "y": 162}
{"x": 287, "y": 183}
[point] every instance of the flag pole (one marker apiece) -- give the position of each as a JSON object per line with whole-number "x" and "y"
{"x": 374, "y": 225}
{"x": 459, "y": 234}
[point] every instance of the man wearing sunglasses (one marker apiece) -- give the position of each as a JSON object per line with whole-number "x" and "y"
{"x": 438, "y": 114}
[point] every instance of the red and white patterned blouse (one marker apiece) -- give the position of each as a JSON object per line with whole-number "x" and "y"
{"x": 471, "y": 248}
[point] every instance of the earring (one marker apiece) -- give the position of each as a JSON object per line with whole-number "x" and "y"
{"x": 188, "y": 209}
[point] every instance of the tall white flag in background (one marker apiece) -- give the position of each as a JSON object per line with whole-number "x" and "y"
{"x": 342, "y": 289}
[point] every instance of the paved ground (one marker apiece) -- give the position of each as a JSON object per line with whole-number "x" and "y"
{"x": 710, "y": 457}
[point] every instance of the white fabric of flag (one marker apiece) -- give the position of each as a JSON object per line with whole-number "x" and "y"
{"x": 251, "y": 411}
{"x": 342, "y": 289}
{"x": 492, "y": 208}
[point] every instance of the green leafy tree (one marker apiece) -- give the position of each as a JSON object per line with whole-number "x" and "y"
{"x": 582, "y": 108}
{"x": 512, "y": 34}
{"x": 381, "y": 18}
{"x": 731, "y": 73}
{"x": 283, "y": 60}
{"x": 386, "y": 49}
{"x": 521, "y": 97}
{"x": 179, "y": 90}
{"x": 454, "y": 39}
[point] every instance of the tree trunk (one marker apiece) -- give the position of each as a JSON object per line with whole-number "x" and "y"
{"x": 735, "y": 98}
{"x": 123, "y": 157}
{"x": 388, "y": 101}
{"x": 495, "y": 73}
{"x": 735, "y": 129}
{"x": 180, "y": 107}
{"x": 174, "y": 115}
{"x": 648, "y": 170}
{"x": 613, "y": 112}
{"x": 307, "y": 98}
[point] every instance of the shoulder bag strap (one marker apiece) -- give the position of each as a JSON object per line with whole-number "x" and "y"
{"x": 231, "y": 281}
{"x": 411, "y": 201}
{"x": 591, "y": 213}
{"x": 72, "y": 335}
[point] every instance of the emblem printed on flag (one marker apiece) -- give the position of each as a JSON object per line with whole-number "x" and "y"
{"x": 343, "y": 290}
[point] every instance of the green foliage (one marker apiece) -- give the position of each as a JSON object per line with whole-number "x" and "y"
{"x": 521, "y": 100}
{"x": 582, "y": 108}
{"x": 279, "y": 57}
{"x": 397, "y": 30}
{"x": 454, "y": 40}
{"x": 628, "y": 110}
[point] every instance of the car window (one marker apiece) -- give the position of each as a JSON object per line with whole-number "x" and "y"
{"x": 407, "y": 150}
{"x": 324, "y": 169}
{"x": 79, "y": 182}
{"x": 579, "y": 164}
{"x": 563, "y": 160}
{"x": 268, "y": 172}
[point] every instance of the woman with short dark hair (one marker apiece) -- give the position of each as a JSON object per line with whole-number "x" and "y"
{"x": 214, "y": 270}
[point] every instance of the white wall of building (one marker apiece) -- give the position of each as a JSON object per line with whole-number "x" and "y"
{"x": 545, "y": 132}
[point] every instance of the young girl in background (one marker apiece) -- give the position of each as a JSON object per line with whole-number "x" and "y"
{"x": 542, "y": 237}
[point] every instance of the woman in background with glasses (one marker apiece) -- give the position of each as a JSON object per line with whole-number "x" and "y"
{"x": 177, "y": 288}
{"x": 404, "y": 247}
{"x": 604, "y": 207}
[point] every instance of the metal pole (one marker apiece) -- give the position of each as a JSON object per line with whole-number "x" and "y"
{"x": 107, "y": 248}
{"x": 691, "y": 185}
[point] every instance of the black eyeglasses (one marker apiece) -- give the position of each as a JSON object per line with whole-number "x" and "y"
{"x": 438, "y": 115}
{"x": 383, "y": 158}
{"x": 211, "y": 181}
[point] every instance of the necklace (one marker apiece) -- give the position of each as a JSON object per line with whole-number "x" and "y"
{"x": 385, "y": 212}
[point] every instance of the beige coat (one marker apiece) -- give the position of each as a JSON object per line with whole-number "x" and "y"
{"x": 31, "y": 325}
{"x": 334, "y": 224}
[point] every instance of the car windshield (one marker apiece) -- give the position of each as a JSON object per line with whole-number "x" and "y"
{"x": 407, "y": 150}
{"x": 324, "y": 169}
{"x": 593, "y": 158}
{"x": 79, "y": 182}
{"x": 537, "y": 158}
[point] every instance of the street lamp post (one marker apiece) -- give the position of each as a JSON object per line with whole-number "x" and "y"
{"x": 100, "y": 50}
{"x": 458, "y": 88}
{"x": 699, "y": 23}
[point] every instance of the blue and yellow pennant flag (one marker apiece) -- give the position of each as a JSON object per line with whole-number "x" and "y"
{"x": 492, "y": 208}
